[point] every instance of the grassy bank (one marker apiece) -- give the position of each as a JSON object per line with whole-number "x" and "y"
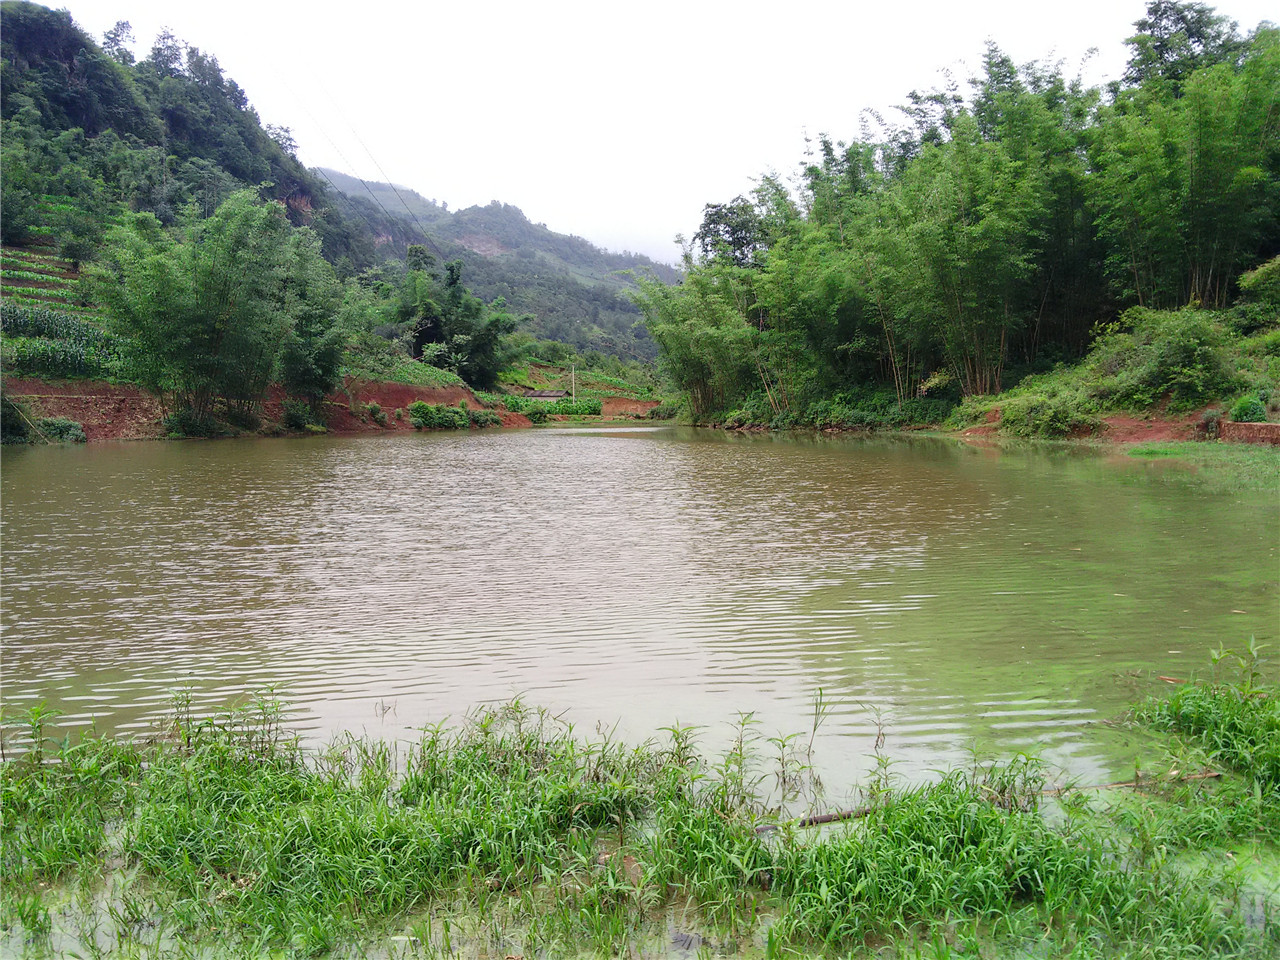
{"x": 511, "y": 835}
{"x": 1230, "y": 467}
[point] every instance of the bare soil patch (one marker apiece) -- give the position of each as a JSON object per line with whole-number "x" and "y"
{"x": 122, "y": 412}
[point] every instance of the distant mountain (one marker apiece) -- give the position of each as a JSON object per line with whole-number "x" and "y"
{"x": 575, "y": 291}
{"x": 393, "y": 197}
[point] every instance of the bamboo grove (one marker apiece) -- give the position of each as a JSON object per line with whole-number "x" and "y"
{"x": 992, "y": 234}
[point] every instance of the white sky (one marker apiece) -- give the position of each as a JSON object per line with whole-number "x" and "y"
{"x": 615, "y": 123}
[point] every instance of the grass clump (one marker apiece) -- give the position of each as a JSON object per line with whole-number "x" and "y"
{"x": 1238, "y": 723}
{"x": 511, "y": 832}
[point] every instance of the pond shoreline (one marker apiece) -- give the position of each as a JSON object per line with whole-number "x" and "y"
{"x": 114, "y": 411}
{"x": 118, "y": 411}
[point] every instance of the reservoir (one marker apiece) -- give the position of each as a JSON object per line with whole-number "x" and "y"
{"x": 944, "y": 599}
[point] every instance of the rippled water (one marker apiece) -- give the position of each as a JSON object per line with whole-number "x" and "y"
{"x": 954, "y": 598}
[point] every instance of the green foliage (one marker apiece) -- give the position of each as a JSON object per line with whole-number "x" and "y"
{"x": 14, "y": 421}
{"x": 1261, "y": 286}
{"x": 60, "y": 430}
{"x": 1177, "y": 358}
{"x": 214, "y": 313}
{"x": 188, "y": 423}
{"x": 565, "y": 406}
{"x": 983, "y": 241}
{"x": 425, "y": 416}
{"x": 300, "y": 415}
{"x": 1050, "y": 415}
{"x": 233, "y": 830}
{"x": 1249, "y": 409}
{"x": 484, "y": 418}
{"x": 376, "y": 414}
{"x": 1238, "y": 721}
{"x": 423, "y": 375}
{"x": 43, "y": 342}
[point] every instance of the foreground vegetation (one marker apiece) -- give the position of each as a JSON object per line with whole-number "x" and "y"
{"x": 511, "y": 835}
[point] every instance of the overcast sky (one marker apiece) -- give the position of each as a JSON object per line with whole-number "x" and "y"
{"x": 613, "y": 123}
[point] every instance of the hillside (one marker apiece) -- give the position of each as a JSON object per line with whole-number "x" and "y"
{"x": 92, "y": 136}
{"x": 565, "y": 287}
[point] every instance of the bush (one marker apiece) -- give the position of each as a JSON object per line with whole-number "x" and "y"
{"x": 425, "y": 416}
{"x": 484, "y": 418}
{"x": 536, "y": 416}
{"x": 664, "y": 411}
{"x": 13, "y": 422}
{"x": 376, "y": 415}
{"x": 1174, "y": 354}
{"x": 1249, "y": 409}
{"x": 1051, "y": 416}
{"x": 61, "y": 430}
{"x": 299, "y": 415}
{"x": 185, "y": 423}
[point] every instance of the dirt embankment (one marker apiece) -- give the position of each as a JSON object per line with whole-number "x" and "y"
{"x": 625, "y": 407}
{"x": 110, "y": 411}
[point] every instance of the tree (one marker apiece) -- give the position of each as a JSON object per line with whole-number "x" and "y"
{"x": 1176, "y": 39}
{"x": 208, "y": 313}
{"x": 968, "y": 216}
{"x": 1186, "y": 189}
{"x": 732, "y": 232}
{"x": 114, "y": 43}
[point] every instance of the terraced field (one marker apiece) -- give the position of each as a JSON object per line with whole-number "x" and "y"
{"x": 48, "y": 328}
{"x": 38, "y": 277}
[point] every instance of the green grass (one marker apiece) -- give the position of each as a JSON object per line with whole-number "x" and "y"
{"x": 1221, "y": 466}
{"x": 423, "y": 375}
{"x": 510, "y": 834}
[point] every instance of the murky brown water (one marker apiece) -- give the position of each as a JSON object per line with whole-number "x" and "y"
{"x": 969, "y": 598}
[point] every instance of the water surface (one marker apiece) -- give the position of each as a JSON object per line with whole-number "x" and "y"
{"x": 950, "y": 597}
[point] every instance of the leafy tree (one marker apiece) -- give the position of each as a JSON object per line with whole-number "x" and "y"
{"x": 209, "y": 312}
{"x": 115, "y": 40}
{"x": 1186, "y": 189}
{"x": 1176, "y": 39}
{"x": 731, "y": 232}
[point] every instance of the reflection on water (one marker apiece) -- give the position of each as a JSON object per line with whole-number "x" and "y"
{"x": 959, "y": 598}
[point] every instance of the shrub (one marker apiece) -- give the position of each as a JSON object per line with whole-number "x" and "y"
{"x": 484, "y": 418}
{"x": 425, "y": 416}
{"x": 1168, "y": 354}
{"x": 1050, "y": 416}
{"x": 1211, "y": 423}
{"x": 299, "y": 415}
{"x": 243, "y": 417}
{"x": 664, "y": 411}
{"x": 376, "y": 415}
{"x": 13, "y": 422}
{"x": 536, "y": 415}
{"x": 185, "y": 423}
{"x": 61, "y": 430}
{"x": 1249, "y": 409}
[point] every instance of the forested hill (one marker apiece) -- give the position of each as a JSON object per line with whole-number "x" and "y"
{"x": 92, "y": 134}
{"x": 574, "y": 290}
